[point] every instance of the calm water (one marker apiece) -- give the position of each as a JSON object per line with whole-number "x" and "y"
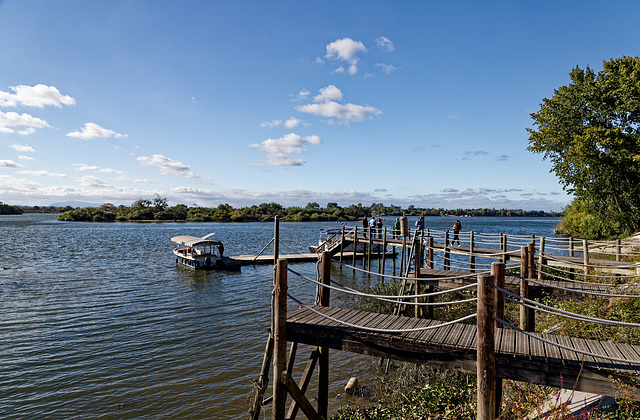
{"x": 97, "y": 321}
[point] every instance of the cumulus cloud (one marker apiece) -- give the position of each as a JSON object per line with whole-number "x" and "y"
{"x": 277, "y": 151}
{"x": 346, "y": 49}
{"x": 386, "y": 68}
{"x": 24, "y": 148}
{"x": 271, "y": 124}
{"x": 43, "y": 173}
{"x": 326, "y": 106}
{"x": 125, "y": 178}
{"x": 36, "y": 96}
{"x": 9, "y": 164}
{"x": 167, "y": 166}
{"x": 13, "y": 119}
{"x": 92, "y": 131}
{"x": 385, "y": 43}
{"x": 23, "y": 157}
{"x": 328, "y": 93}
{"x": 92, "y": 168}
{"x": 294, "y": 122}
{"x": 89, "y": 181}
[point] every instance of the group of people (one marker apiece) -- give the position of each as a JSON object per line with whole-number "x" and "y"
{"x": 374, "y": 225}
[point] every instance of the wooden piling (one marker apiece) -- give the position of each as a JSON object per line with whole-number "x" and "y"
{"x": 430, "y": 252}
{"x": 585, "y": 256}
{"x": 447, "y": 256}
{"x": 342, "y": 247}
{"x": 263, "y": 380}
{"x": 279, "y": 340}
{"x": 531, "y": 314}
{"x": 384, "y": 249}
{"x": 498, "y": 270}
{"x": 524, "y": 286}
{"x": 541, "y": 260}
{"x": 618, "y": 249}
{"x": 323, "y": 360}
{"x": 417, "y": 252}
{"x": 485, "y": 356}
{"x": 355, "y": 248}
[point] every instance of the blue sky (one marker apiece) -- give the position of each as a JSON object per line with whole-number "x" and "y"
{"x": 244, "y": 102}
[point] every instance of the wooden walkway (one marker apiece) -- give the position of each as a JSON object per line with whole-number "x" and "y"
{"x": 298, "y": 258}
{"x": 518, "y": 356}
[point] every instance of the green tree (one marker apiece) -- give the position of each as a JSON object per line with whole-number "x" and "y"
{"x": 590, "y": 132}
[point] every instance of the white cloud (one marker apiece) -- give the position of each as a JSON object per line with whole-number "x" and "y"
{"x": 89, "y": 181}
{"x": 277, "y": 151}
{"x": 167, "y": 166}
{"x": 25, "y": 148}
{"x": 27, "y": 131}
{"x": 385, "y": 43}
{"x": 125, "y": 178}
{"x": 10, "y": 164}
{"x": 43, "y": 173}
{"x": 36, "y": 96}
{"x": 13, "y": 119}
{"x": 92, "y": 168}
{"x": 271, "y": 124}
{"x": 345, "y": 112}
{"x": 92, "y": 131}
{"x": 386, "y": 68}
{"x": 346, "y": 49}
{"x": 23, "y": 157}
{"x": 328, "y": 93}
{"x": 293, "y": 122}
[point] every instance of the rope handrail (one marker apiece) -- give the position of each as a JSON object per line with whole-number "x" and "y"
{"x": 554, "y": 258}
{"x": 592, "y": 293}
{"x": 586, "y": 353}
{"x": 374, "y": 296}
{"x": 591, "y": 275}
{"x": 390, "y": 276}
{"x": 562, "y": 313}
{"x": 382, "y": 330}
{"x": 631, "y": 276}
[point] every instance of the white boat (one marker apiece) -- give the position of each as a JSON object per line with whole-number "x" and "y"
{"x": 202, "y": 253}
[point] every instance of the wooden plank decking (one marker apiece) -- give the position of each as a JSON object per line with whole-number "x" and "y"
{"x": 518, "y": 356}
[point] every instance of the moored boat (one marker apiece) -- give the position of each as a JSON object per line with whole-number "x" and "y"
{"x": 202, "y": 253}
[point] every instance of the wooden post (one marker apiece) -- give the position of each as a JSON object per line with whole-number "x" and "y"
{"x": 618, "y": 249}
{"x": 524, "y": 286}
{"x": 472, "y": 258}
{"x": 384, "y": 249}
{"x": 531, "y": 314}
{"x": 422, "y": 250}
{"x": 430, "y": 251}
{"x": 585, "y": 255}
{"x": 505, "y": 257}
{"x": 417, "y": 253}
{"x": 571, "y": 270}
{"x": 404, "y": 247}
{"x": 279, "y": 340}
{"x": 342, "y": 247}
{"x": 263, "y": 380}
{"x": 276, "y": 239}
{"x": 323, "y": 360}
{"x": 355, "y": 247}
{"x": 486, "y": 357}
{"x": 446, "y": 262}
{"x": 541, "y": 259}
{"x": 369, "y": 250}
{"x": 498, "y": 270}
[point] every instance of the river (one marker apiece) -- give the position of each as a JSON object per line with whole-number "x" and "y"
{"x": 97, "y": 321}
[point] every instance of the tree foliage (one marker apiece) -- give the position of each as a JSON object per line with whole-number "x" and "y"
{"x": 590, "y": 132}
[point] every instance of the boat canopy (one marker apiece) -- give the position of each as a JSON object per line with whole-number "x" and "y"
{"x": 192, "y": 241}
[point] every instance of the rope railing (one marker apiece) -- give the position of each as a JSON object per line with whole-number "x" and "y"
{"x": 381, "y": 330}
{"x": 582, "y": 291}
{"x": 560, "y": 312}
{"x": 392, "y": 298}
{"x": 390, "y": 276}
{"x": 586, "y": 353}
{"x": 586, "y": 275}
{"x": 552, "y": 257}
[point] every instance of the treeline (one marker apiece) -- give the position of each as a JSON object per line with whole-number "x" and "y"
{"x": 159, "y": 210}
{"x": 7, "y": 209}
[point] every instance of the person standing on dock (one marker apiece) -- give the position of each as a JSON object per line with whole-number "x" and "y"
{"x": 456, "y": 230}
{"x": 420, "y": 224}
{"x": 396, "y": 228}
{"x": 365, "y": 225}
{"x": 372, "y": 226}
{"x": 379, "y": 227}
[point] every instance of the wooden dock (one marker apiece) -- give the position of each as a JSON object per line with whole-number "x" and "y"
{"x": 518, "y": 357}
{"x": 300, "y": 258}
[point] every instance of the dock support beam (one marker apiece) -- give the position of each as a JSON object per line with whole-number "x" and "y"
{"x": 323, "y": 360}
{"x": 279, "y": 340}
{"x": 486, "y": 356}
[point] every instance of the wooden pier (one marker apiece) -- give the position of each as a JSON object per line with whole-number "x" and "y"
{"x": 490, "y": 348}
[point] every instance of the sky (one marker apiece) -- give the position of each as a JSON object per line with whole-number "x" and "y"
{"x": 423, "y": 103}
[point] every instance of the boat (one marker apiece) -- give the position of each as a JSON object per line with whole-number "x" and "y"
{"x": 202, "y": 253}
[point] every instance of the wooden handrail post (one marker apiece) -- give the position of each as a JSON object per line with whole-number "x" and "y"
{"x": 446, "y": 262}
{"x": 571, "y": 269}
{"x": 618, "y": 249}
{"x": 585, "y": 255}
{"x": 342, "y": 247}
{"x": 430, "y": 251}
{"x": 524, "y": 286}
{"x": 355, "y": 247}
{"x": 384, "y": 250}
{"x": 472, "y": 258}
{"x": 323, "y": 359}
{"x": 279, "y": 340}
{"x": 417, "y": 253}
{"x": 498, "y": 270}
{"x": 541, "y": 259}
{"x": 531, "y": 314}
{"x": 486, "y": 356}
